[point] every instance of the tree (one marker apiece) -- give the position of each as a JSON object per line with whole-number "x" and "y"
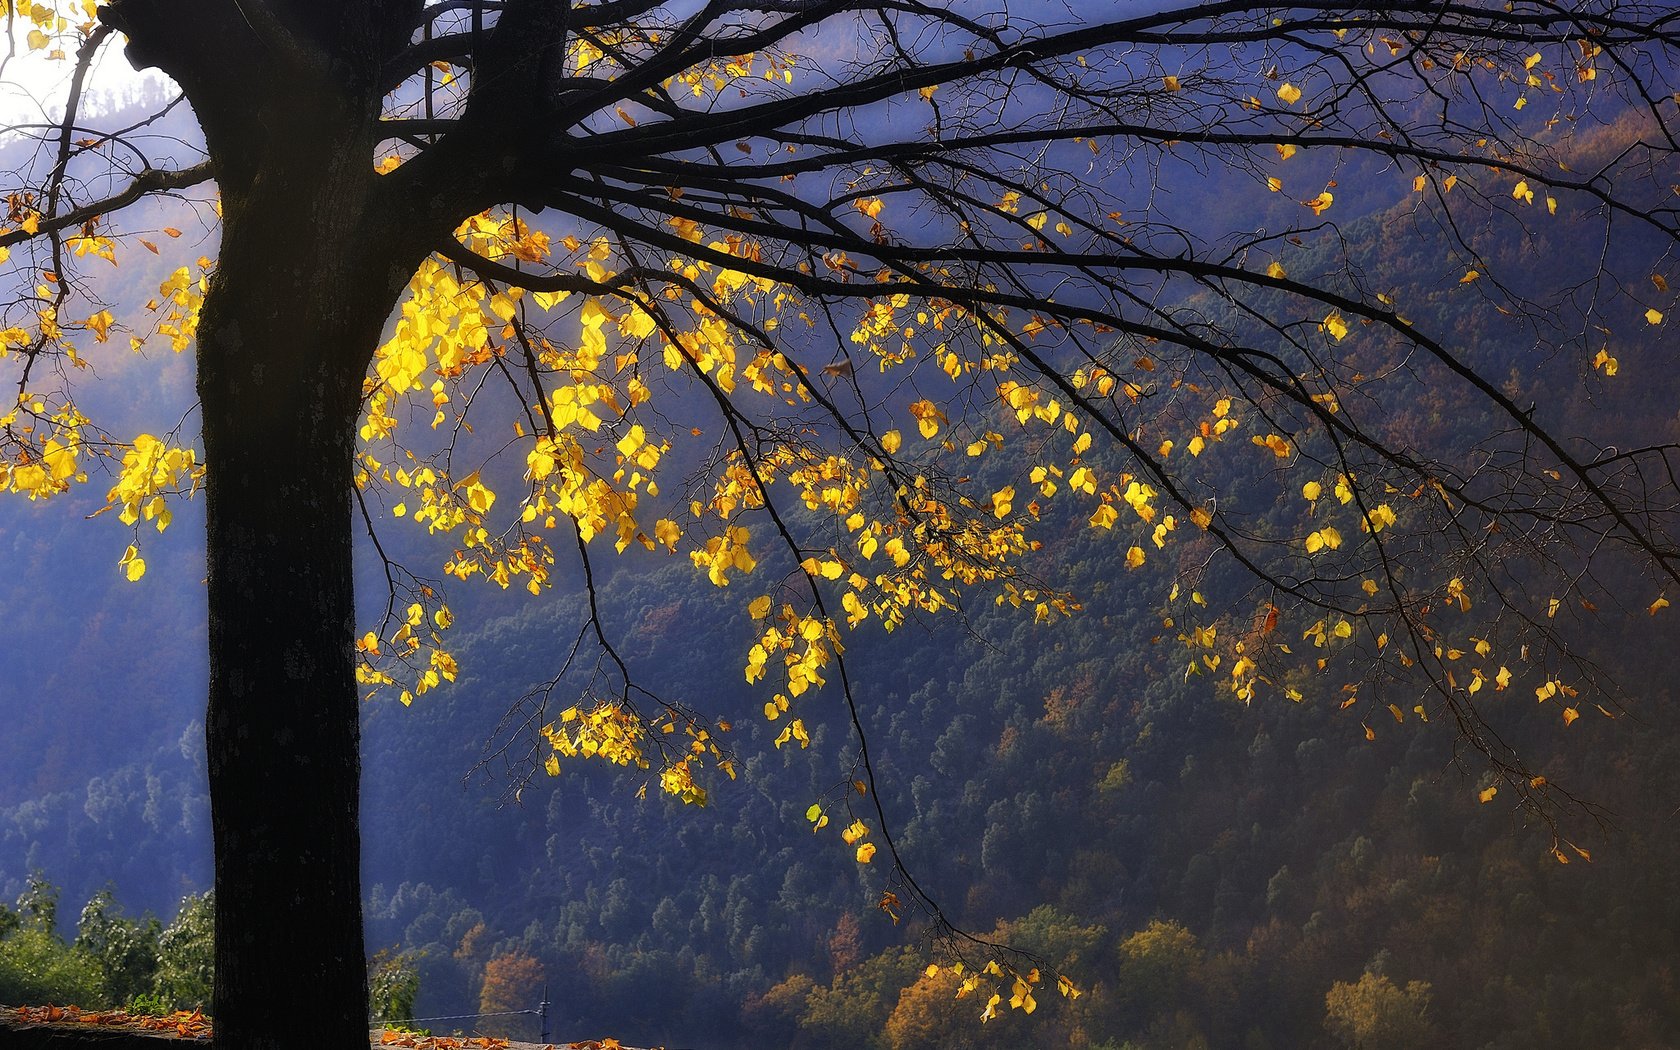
{"x": 1376, "y": 1013}
{"x": 186, "y": 970}
{"x": 125, "y": 949}
{"x": 393, "y": 983}
{"x": 827, "y": 256}
{"x": 512, "y": 982}
{"x": 35, "y": 963}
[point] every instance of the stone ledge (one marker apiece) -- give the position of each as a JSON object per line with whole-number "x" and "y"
{"x": 71, "y": 1035}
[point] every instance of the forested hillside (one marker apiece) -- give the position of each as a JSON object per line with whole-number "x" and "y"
{"x": 1207, "y": 872}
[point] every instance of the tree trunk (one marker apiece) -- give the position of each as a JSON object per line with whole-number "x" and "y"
{"x": 303, "y": 285}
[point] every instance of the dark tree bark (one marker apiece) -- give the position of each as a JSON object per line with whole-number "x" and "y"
{"x": 305, "y": 281}
{"x": 282, "y": 731}
{"x": 312, "y": 260}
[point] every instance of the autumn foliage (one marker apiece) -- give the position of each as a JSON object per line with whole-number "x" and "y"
{"x": 844, "y": 306}
{"x": 512, "y": 982}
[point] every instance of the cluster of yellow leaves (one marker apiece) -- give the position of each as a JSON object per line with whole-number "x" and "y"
{"x": 417, "y": 644}
{"x": 49, "y": 460}
{"x": 152, "y": 469}
{"x": 50, "y": 24}
{"x": 49, "y": 437}
{"x": 614, "y": 732}
{"x": 717, "y": 75}
{"x": 180, "y": 299}
{"x": 799, "y": 648}
{"x": 1000, "y": 980}
{"x": 911, "y": 539}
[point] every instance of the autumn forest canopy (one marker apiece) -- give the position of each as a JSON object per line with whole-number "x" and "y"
{"x": 932, "y": 457}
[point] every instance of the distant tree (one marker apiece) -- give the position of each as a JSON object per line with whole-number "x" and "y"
{"x": 773, "y": 1016}
{"x": 36, "y": 965}
{"x": 125, "y": 950}
{"x": 1376, "y": 1014}
{"x": 186, "y": 973}
{"x": 831, "y": 255}
{"x": 37, "y": 905}
{"x": 512, "y": 983}
{"x": 393, "y": 984}
{"x": 1159, "y": 969}
{"x": 845, "y": 944}
{"x": 929, "y": 1014}
{"x": 852, "y": 1010}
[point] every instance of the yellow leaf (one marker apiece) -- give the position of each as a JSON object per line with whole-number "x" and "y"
{"x": 1312, "y": 490}
{"x": 1653, "y": 316}
{"x": 1134, "y": 557}
{"x": 1276, "y": 270}
{"x": 1327, "y": 538}
{"x": 136, "y": 569}
{"x": 1289, "y": 94}
{"x": 890, "y": 442}
{"x": 1487, "y": 794}
{"x": 1469, "y": 275}
{"x": 866, "y": 853}
{"x": 759, "y": 607}
{"x": 1657, "y": 606}
{"x": 60, "y": 460}
{"x": 1169, "y": 83}
{"x": 1003, "y": 501}
{"x": 1570, "y": 715}
{"x": 1336, "y": 326}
